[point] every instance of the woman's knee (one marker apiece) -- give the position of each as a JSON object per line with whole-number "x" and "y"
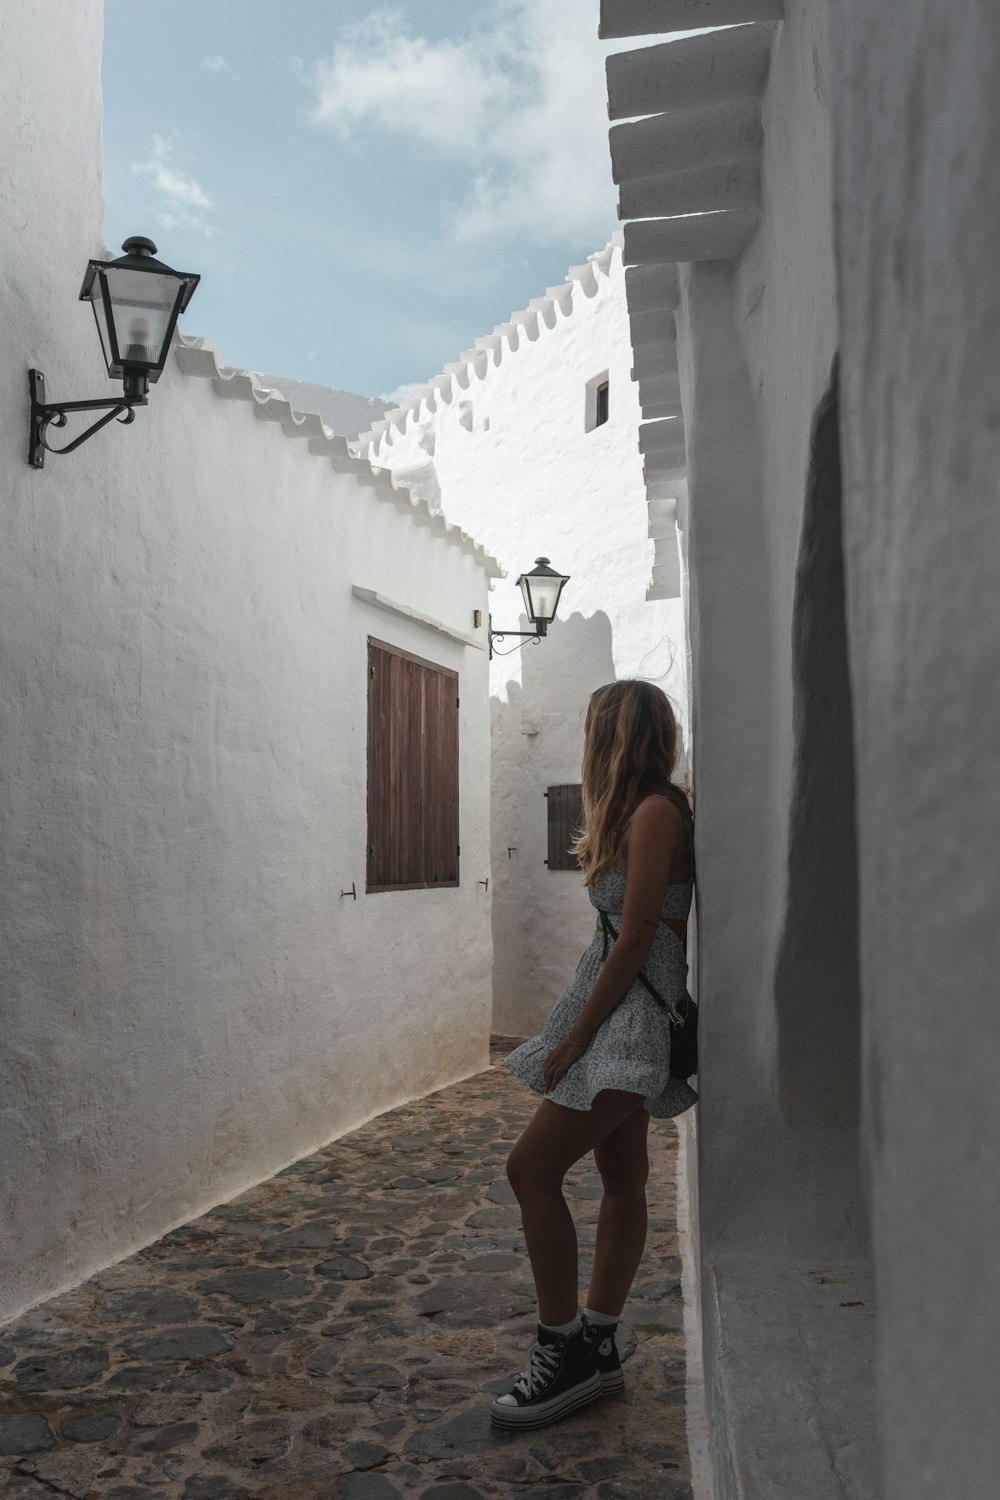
{"x": 527, "y": 1174}
{"x": 622, "y": 1175}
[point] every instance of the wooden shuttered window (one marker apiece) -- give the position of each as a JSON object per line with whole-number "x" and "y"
{"x": 412, "y": 771}
{"x": 565, "y": 818}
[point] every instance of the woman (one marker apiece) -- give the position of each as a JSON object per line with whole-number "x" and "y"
{"x": 602, "y": 1060}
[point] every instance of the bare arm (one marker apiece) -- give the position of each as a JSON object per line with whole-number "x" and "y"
{"x": 656, "y": 832}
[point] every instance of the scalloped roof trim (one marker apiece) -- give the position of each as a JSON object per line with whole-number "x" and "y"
{"x": 199, "y": 357}
{"x": 489, "y": 349}
{"x": 506, "y": 338}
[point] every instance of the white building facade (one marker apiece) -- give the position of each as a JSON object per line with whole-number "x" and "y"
{"x": 528, "y": 442}
{"x": 192, "y": 995}
{"x": 818, "y": 185}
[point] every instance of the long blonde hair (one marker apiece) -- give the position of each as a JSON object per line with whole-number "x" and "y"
{"x": 630, "y": 750}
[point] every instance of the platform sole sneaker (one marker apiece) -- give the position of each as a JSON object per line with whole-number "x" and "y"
{"x": 600, "y": 1340}
{"x": 561, "y": 1376}
{"x": 541, "y": 1414}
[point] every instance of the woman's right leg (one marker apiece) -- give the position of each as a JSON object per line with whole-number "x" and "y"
{"x": 563, "y": 1371}
{"x": 554, "y": 1139}
{"x": 623, "y": 1163}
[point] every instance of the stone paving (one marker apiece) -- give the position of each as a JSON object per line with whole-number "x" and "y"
{"x": 338, "y": 1332}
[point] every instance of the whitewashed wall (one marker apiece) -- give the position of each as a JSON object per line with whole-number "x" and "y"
{"x": 502, "y": 445}
{"x": 780, "y": 1191}
{"x": 758, "y": 339}
{"x": 916, "y": 126}
{"x": 780, "y": 1185}
{"x": 188, "y": 1001}
{"x": 843, "y": 554}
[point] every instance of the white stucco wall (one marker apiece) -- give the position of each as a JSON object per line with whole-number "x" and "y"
{"x": 780, "y": 1190}
{"x": 503, "y": 448}
{"x": 917, "y": 120}
{"x": 843, "y": 553}
{"x": 757, "y": 342}
{"x": 188, "y": 1001}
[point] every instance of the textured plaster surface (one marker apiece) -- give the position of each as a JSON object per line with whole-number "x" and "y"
{"x": 338, "y": 1333}
{"x": 917, "y": 119}
{"x": 779, "y": 1191}
{"x": 791, "y": 1364}
{"x": 879, "y": 220}
{"x": 189, "y": 1002}
{"x": 510, "y": 460}
{"x": 755, "y": 365}
{"x": 688, "y": 72}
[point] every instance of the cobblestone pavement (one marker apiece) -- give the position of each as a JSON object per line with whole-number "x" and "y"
{"x": 338, "y": 1332}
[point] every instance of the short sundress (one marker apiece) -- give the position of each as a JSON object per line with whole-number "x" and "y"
{"x": 631, "y": 1049}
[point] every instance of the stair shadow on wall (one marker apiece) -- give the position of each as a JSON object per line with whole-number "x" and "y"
{"x": 542, "y": 919}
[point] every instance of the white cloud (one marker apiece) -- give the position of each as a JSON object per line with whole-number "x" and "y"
{"x": 183, "y": 202}
{"x": 380, "y": 72}
{"x": 519, "y": 101}
{"x": 404, "y": 392}
{"x": 216, "y": 64}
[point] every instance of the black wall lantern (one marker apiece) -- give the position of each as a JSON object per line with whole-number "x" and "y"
{"x": 137, "y": 301}
{"x": 541, "y": 589}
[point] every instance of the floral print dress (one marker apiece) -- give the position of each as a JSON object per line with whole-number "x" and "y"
{"x": 631, "y": 1049}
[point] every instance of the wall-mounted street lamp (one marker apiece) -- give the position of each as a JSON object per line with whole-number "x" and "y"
{"x": 541, "y": 589}
{"x": 137, "y": 301}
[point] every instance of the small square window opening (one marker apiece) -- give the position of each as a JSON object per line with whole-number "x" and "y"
{"x": 602, "y": 405}
{"x": 597, "y": 408}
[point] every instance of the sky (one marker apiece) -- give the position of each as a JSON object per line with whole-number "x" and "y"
{"x": 363, "y": 187}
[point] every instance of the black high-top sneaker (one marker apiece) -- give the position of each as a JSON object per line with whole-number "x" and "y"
{"x": 560, "y": 1376}
{"x": 600, "y": 1340}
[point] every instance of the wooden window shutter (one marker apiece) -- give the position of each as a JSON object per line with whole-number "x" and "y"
{"x": 565, "y": 818}
{"x": 413, "y": 826}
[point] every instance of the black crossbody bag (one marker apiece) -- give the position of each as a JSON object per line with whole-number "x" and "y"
{"x": 683, "y": 1017}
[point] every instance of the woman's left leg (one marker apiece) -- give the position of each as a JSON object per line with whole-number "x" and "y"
{"x": 555, "y": 1138}
{"x": 623, "y": 1161}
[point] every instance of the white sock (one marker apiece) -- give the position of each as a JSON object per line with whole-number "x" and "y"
{"x": 599, "y": 1320}
{"x": 569, "y": 1327}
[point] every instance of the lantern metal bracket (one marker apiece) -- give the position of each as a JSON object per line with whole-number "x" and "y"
{"x": 53, "y": 413}
{"x": 535, "y": 635}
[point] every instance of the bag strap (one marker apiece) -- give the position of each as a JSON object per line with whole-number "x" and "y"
{"x": 609, "y": 932}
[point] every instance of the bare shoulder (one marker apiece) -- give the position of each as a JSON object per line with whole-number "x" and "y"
{"x": 659, "y": 837}
{"x": 659, "y": 816}
{"x": 657, "y": 841}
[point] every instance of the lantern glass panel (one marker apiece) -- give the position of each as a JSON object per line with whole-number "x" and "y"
{"x": 142, "y": 306}
{"x": 101, "y": 318}
{"x": 541, "y": 596}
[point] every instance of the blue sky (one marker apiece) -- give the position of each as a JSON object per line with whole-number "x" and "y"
{"x": 364, "y": 187}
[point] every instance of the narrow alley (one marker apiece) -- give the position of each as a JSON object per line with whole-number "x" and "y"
{"x": 338, "y": 1332}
